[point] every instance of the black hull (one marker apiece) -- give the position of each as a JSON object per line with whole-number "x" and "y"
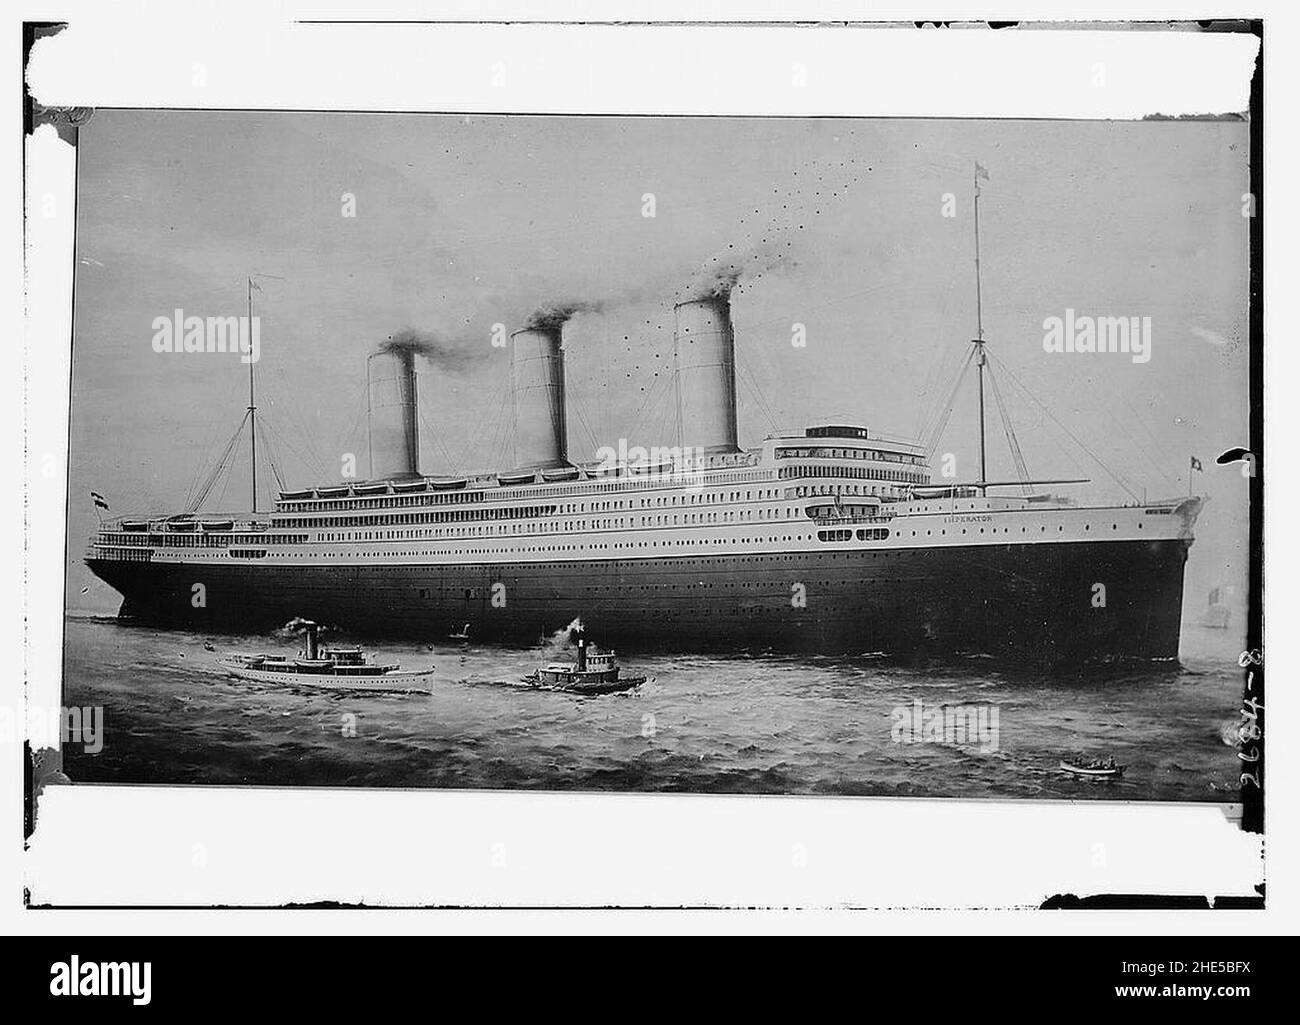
{"x": 1034, "y": 601}
{"x": 610, "y": 687}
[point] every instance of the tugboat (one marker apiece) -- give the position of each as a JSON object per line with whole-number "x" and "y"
{"x": 338, "y": 667}
{"x": 1093, "y": 768}
{"x": 596, "y": 672}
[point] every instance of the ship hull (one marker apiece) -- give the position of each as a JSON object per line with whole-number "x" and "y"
{"x": 390, "y": 683}
{"x": 1057, "y": 602}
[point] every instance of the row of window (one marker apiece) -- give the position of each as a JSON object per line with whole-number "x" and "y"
{"x": 177, "y": 539}
{"x": 869, "y": 534}
{"x": 380, "y": 501}
{"x": 531, "y": 512}
{"x": 716, "y": 477}
{"x": 854, "y": 472}
{"x": 849, "y": 453}
{"x": 125, "y": 554}
{"x": 503, "y": 512}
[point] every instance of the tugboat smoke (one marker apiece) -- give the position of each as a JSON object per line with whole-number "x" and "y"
{"x": 563, "y": 637}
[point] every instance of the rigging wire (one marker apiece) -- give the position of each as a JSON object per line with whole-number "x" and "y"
{"x": 934, "y": 369}
{"x": 1155, "y": 444}
{"x": 764, "y": 406}
{"x": 666, "y": 409}
{"x": 359, "y": 409}
{"x": 1017, "y": 457}
{"x": 649, "y": 407}
{"x": 434, "y": 437}
{"x": 211, "y": 480}
{"x": 225, "y": 484}
{"x": 283, "y": 439}
{"x": 264, "y": 428}
{"x": 1115, "y": 476}
{"x": 500, "y": 445}
{"x": 669, "y": 408}
{"x": 507, "y": 430}
{"x": 746, "y": 378}
{"x": 931, "y": 439}
{"x": 211, "y": 434}
{"x": 941, "y": 410}
{"x": 298, "y": 423}
{"x": 576, "y": 406}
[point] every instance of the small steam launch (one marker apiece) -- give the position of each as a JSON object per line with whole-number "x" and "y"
{"x": 328, "y": 667}
{"x": 832, "y": 537}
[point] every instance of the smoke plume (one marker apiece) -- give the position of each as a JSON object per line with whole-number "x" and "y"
{"x": 550, "y": 316}
{"x": 721, "y": 274}
{"x": 444, "y": 353}
{"x": 297, "y": 627}
{"x": 562, "y": 639}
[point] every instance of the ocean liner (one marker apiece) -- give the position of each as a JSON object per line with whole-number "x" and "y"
{"x": 831, "y": 538}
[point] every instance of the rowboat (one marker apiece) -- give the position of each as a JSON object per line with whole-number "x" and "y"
{"x": 1095, "y": 768}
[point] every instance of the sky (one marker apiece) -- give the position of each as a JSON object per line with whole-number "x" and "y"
{"x": 856, "y": 233}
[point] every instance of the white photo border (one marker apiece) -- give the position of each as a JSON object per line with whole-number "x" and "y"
{"x": 261, "y": 847}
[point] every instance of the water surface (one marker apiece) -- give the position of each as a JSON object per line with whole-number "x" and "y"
{"x": 747, "y": 723}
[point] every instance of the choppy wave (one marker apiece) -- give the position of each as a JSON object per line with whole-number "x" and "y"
{"x": 743, "y": 724}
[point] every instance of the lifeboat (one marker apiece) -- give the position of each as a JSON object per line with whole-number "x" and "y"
{"x": 380, "y": 488}
{"x": 1092, "y": 768}
{"x": 651, "y": 469}
{"x": 561, "y": 473}
{"x": 448, "y": 483}
{"x": 407, "y": 487}
{"x": 510, "y": 480}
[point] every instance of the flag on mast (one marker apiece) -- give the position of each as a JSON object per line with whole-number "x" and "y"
{"x": 99, "y": 500}
{"x": 1196, "y": 465}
